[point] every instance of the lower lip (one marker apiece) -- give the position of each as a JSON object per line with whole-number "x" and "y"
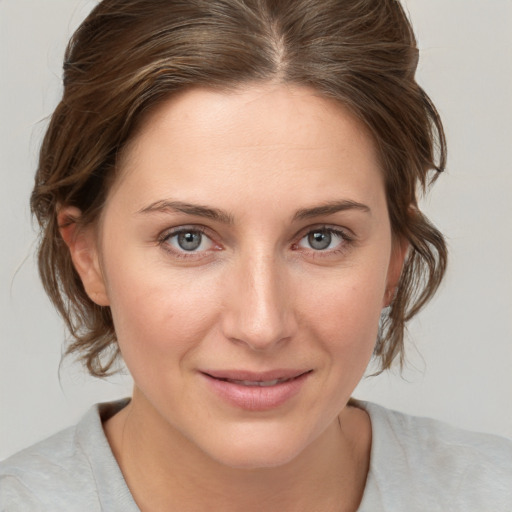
{"x": 256, "y": 398}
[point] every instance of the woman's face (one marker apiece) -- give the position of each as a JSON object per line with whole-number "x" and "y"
{"x": 246, "y": 254}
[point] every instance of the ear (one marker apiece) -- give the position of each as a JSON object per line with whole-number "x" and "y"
{"x": 83, "y": 248}
{"x": 399, "y": 252}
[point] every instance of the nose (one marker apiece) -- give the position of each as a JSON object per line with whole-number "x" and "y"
{"x": 259, "y": 310}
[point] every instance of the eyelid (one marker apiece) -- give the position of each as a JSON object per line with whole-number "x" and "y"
{"x": 346, "y": 233}
{"x": 164, "y": 236}
{"x": 167, "y": 233}
{"x": 347, "y": 236}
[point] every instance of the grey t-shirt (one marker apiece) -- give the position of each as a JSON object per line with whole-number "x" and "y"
{"x": 417, "y": 464}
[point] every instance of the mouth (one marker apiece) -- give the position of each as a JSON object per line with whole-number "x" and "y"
{"x": 260, "y": 379}
{"x": 254, "y": 391}
{"x": 260, "y": 383}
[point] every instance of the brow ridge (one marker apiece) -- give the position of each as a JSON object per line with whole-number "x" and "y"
{"x": 188, "y": 208}
{"x": 330, "y": 208}
{"x": 224, "y": 217}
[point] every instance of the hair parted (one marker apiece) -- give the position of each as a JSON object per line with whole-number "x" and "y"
{"x": 130, "y": 55}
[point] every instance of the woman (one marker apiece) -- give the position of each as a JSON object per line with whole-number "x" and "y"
{"x": 227, "y": 195}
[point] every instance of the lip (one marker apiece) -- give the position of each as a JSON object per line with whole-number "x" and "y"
{"x": 233, "y": 387}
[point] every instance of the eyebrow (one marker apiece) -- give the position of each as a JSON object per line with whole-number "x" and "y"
{"x": 190, "y": 209}
{"x": 330, "y": 208}
{"x": 225, "y": 218}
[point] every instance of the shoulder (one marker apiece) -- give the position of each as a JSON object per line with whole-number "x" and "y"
{"x": 47, "y": 474}
{"x": 63, "y": 472}
{"x": 428, "y": 461}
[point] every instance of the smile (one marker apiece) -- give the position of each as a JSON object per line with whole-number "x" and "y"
{"x": 259, "y": 383}
{"x": 256, "y": 392}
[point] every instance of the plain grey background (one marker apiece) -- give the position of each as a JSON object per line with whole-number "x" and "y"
{"x": 460, "y": 348}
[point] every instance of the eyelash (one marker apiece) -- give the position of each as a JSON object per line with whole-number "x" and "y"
{"x": 164, "y": 241}
{"x": 166, "y": 236}
{"x": 346, "y": 242}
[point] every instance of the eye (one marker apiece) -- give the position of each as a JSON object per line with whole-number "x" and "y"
{"x": 188, "y": 240}
{"x": 323, "y": 239}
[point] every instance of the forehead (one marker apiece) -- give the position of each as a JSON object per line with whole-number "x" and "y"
{"x": 261, "y": 114}
{"x": 267, "y": 138}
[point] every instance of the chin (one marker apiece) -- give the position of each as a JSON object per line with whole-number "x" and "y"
{"x": 257, "y": 448}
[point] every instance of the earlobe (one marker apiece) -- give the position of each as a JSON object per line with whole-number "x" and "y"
{"x": 396, "y": 265}
{"x": 82, "y": 245}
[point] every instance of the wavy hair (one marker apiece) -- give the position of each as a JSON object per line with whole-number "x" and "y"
{"x": 130, "y": 55}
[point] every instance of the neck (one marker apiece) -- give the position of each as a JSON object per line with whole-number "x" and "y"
{"x": 165, "y": 471}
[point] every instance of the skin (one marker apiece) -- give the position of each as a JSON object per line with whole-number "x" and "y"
{"x": 256, "y": 295}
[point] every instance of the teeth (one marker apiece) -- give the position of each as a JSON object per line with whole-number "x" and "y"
{"x": 257, "y": 383}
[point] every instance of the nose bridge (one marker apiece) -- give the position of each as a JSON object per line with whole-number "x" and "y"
{"x": 259, "y": 312}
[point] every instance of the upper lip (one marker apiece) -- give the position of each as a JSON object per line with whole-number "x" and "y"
{"x": 246, "y": 375}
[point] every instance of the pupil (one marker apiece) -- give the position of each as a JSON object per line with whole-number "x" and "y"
{"x": 319, "y": 240}
{"x": 189, "y": 241}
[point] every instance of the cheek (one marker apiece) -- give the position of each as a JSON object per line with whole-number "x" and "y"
{"x": 159, "y": 315}
{"x": 344, "y": 312}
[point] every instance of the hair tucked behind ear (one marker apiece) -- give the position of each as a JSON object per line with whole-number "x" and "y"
{"x": 130, "y": 55}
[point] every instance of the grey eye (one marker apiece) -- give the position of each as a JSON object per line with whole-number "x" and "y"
{"x": 189, "y": 240}
{"x": 319, "y": 240}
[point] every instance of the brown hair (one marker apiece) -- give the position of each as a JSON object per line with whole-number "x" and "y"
{"x": 129, "y": 55}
